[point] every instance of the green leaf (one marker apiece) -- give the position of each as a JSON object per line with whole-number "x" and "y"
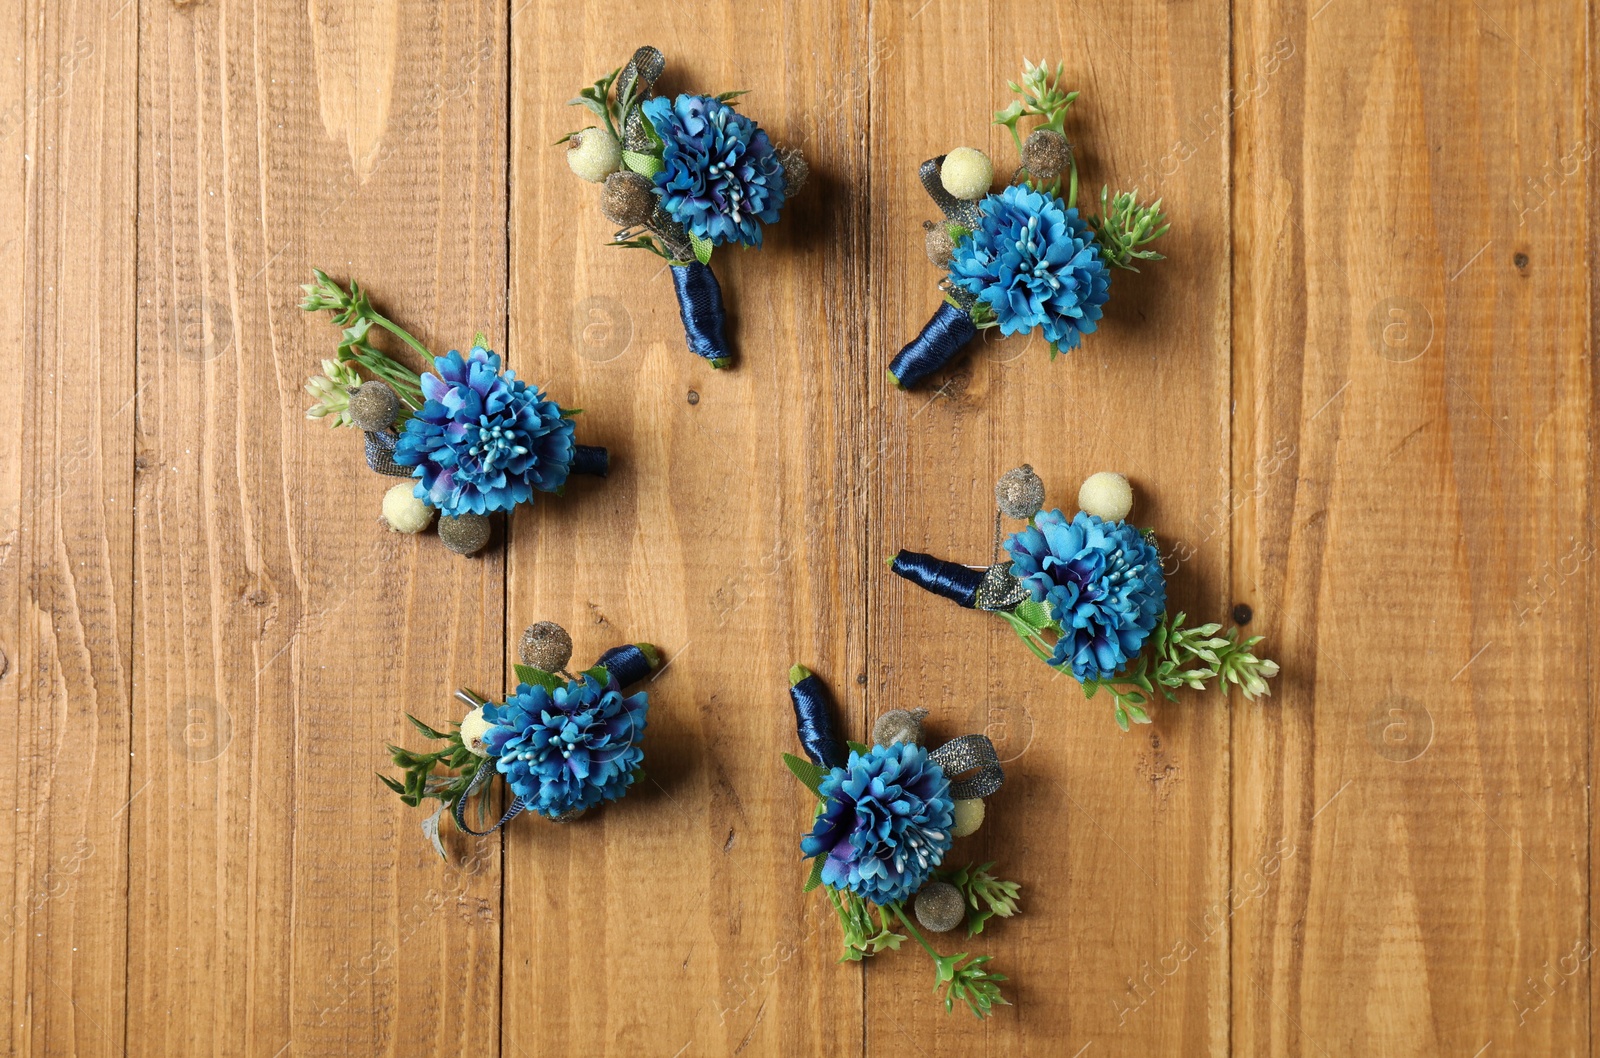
{"x": 859, "y": 747}
{"x": 391, "y": 784}
{"x": 424, "y": 728}
{"x": 643, "y": 164}
{"x": 1035, "y": 615}
{"x": 815, "y": 879}
{"x": 536, "y": 677}
{"x": 811, "y": 775}
{"x": 702, "y": 248}
{"x": 600, "y": 674}
{"x": 727, "y": 96}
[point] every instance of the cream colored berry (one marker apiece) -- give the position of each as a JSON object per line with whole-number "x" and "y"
{"x": 968, "y": 817}
{"x": 1107, "y": 496}
{"x": 594, "y": 154}
{"x": 473, "y": 728}
{"x": 967, "y": 173}
{"x": 403, "y": 511}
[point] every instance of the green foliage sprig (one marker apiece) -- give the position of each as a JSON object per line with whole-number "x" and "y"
{"x": 353, "y": 311}
{"x": 1124, "y": 227}
{"x": 1175, "y": 657}
{"x": 1042, "y": 97}
{"x": 419, "y": 782}
{"x": 986, "y": 895}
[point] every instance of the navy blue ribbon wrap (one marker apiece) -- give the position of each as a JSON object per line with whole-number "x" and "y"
{"x": 591, "y": 460}
{"x": 949, "y": 330}
{"x": 813, "y": 722}
{"x": 700, "y": 305}
{"x": 952, "y": 580}
{"x": 627, "y": 664}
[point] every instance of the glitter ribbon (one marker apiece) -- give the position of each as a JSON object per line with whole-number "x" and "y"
{"x": 512, "y": 811}
{"x": 813, "y": 722}
{"x": 380, "y": 454}
{"x": 937, "y": 344}
{"x": 627, "y": 664}
{"x": 591, "y": 460}
{"x": 700, "y": 305}
{"x": 970, "y": 753}
{"x": 951, "y": 580}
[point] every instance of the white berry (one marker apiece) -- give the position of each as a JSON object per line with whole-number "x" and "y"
{"x": 473, "y": 728}
{"x": 968, "y": 817}
{"x": 1107, "y": 496}
{"x": 404, "y": 512}
{"x": 967, "y": 173}
{"x": 594, "y": 155}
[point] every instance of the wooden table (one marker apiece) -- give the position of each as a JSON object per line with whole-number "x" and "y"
{"x": 1356, "y": 397}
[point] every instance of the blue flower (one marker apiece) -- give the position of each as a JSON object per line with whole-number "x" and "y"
{"x": 720, "y": 179}
{"x": 483, "y": 440}
{"x": 1103, "y": 583}
{"x": 568, "y": 749}
{"x": 885, "y": 822}
{"x": 1035, "y": 264}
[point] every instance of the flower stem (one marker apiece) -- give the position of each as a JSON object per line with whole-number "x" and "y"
{"x": 899, "y": 910}
{"x": 401, "y": 333}
{"x": 1072, "y": 185}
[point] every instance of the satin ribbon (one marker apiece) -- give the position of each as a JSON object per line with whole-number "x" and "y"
{"x": 937, "y": 344}
{"x": 951, "y": 580}
{"x": 813, "y": 722}
{"x": 700, "y": 305}
{"x": 591, "y": 460}
{"x": 627, "y": 664}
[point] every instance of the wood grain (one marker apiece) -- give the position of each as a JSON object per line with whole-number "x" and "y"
{"x": 1120, "y": 841}
{"x": 285, "y": 902}
{"x": 1410, "y": 464}
{"x": 1356, "y": 398}
{"x": 729, "y": 533}
{"x": 68, "y": 138}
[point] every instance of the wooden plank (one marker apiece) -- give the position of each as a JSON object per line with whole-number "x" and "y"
{"x": 284, "y": 901}
{"x": 729, "y": 533}
{"x": 1410, "y": 458}
{"x": 1120, "y": 841}
{"x": 67, "y": 137}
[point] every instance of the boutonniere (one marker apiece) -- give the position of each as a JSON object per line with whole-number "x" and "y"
{"x": 681, "y": 177}
{"x": 478, "y": 438}
{"x": 1088, "y": 596}
{"x": 885, "y": 820}
{"x": 561, "y": 743}
{"x": 1022, "y": 259}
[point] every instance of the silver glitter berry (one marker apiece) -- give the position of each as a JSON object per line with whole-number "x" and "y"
{"x": 373, "y": 406}
{"x": 898, "y": 725}
{"x": 796, "y": 170}
{"x": 627, "y": 199}
{"x": 1019, "y": 493}
{"x": 465, "y": 534}
{"x": 940, "y": 907}
{"x": 1045, "y": 154}
{"x": 941, "y": 249}
{"x": 546, "y": 646}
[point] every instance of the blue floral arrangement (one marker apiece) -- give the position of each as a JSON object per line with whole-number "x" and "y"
{"x": 1088, "y": 596}
{"x": 477, "y": 438}
{"x": 1023, "y": 259}
{"x": 886, "y": 816}
{"x": 682, "y": 176}
{"x": 563, "y": 744}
